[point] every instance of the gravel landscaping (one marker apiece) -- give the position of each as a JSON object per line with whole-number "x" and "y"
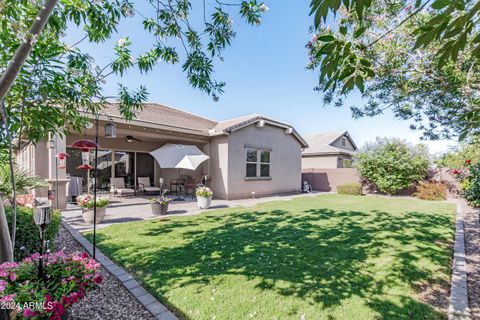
{"x": 110, "y": 301}
{"x": 472, "y": 247}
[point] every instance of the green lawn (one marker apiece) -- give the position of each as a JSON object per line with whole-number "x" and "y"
{"x": 326, "y": 257}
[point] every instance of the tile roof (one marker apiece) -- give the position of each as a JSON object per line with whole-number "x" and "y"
{"x": 168, "y": 116}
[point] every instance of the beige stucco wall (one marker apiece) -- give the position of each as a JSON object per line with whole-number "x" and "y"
{"x": 218, "y": 166}
{"x": 319, "y": 162}
{"x": 285, "y": 162}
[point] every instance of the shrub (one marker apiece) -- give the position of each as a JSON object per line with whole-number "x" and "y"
{"x": 431, "y": 191}
{"x": 350, "y": 188}
{"x": 203, "y": 192}
{"x": 392, "y": 164}
{"x": 69, "y": 279}
{"x": 28, "y": 235}
{"x": 472, "y": 185}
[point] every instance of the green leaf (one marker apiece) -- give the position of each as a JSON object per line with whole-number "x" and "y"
{"x": 326, "y": 38}
{"x": 360, "y": 84}
{"x": 440, "y": 4}
{"x": 359, "y": 32}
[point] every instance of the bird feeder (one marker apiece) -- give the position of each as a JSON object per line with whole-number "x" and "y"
{"x": 62, "y": 157}
{"x": 85, "y": 146}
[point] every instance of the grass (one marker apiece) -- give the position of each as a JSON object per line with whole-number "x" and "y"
{"x": 326, "y": 257}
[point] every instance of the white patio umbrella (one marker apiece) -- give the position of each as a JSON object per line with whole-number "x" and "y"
{"x": 179, "y": 156}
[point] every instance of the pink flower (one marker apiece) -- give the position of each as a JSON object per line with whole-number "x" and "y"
{"x": 3, "y": 285}
{"x": 84, "y": 255}
{"x": 13, "y": 276}
{"x": 8, "y": 297}
{"x": 3, "y": 273}
{"x": 8, "y": 265}
{"x": 29, "y": 313}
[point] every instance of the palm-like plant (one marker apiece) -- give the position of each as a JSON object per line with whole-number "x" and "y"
{"x": 25, "y": 181}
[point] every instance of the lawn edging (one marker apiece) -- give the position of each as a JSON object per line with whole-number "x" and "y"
{"x": 458, "y": 307}
{"x": 148, "y": 301}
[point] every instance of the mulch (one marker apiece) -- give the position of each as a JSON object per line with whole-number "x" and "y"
{"x": 111, "y": 300}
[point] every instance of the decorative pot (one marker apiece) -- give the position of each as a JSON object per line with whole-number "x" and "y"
{"x": 88, "y": 215}
{"x": 159, "y": 209}
{"x": 204, "y": 203}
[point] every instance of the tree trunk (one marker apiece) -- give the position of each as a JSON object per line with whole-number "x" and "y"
{"x": 15, "y": 65}
{"x": 13, "y": 231}
{"x": 6, "y": 251}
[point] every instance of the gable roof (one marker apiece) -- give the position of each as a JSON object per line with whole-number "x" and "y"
{"x": 231, "y": 125}
{"x": 323, "y": 143}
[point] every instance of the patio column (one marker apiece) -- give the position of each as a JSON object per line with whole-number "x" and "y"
{"x": 57, "y": 177}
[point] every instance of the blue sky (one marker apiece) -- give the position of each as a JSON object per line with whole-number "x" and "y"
{"x": 265, "y": 73}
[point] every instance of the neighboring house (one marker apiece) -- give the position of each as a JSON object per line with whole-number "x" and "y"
{"x": 328, "y": 150}
{"x": 248, "y": 155}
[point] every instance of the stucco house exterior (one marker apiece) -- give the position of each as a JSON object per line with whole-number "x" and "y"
{"x": 249, "y": 155}
{"x": 328, "y": 151}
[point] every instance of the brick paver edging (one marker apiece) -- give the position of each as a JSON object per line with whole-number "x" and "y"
{"x": 146, "y": 299}
{"x": 458, "y": 308}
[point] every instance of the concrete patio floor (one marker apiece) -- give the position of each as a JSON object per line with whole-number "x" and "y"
{"x": 122, "y": 210}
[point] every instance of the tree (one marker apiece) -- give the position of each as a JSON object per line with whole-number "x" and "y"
{"x": 467, "y": 151}
{"x": 418, "y": 59}
{"x": 392, "y": 164}
{"x": 59, "y": 84}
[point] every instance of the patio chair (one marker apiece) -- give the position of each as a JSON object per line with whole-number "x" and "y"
{"x": 307, "y": 188}
{"x": 145, "y": 186}
{"x": 118, "y": 188}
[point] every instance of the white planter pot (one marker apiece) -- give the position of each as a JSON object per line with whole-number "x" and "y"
{"x": 204, "y": 203}
{"x": 88, "y": 215}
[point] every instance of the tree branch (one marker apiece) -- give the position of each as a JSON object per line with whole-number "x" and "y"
{"x": 23, "y": 51}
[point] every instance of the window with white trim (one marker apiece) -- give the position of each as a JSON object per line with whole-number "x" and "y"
{"x": 344, "y": 142}
{"x": 257, "y": 163}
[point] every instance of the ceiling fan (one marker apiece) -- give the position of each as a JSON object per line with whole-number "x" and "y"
{"x": 131, "y": 139}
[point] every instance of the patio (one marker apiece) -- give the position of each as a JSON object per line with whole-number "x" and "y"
{"x": 121, "y": 210}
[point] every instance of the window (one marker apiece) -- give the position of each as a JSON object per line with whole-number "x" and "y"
{"x": 257, "y": 163}
{"x": 344, "y": 163}
{"x": 344, "y": 142}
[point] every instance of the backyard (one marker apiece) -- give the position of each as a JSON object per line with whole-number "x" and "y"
{"x": 325, "y": 257}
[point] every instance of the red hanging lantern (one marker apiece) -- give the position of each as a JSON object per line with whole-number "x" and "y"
{"x": 85, "y": 146}
{"x": 62, "y": 157}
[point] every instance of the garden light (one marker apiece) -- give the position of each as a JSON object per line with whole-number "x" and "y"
{"x": 42, "y": 217}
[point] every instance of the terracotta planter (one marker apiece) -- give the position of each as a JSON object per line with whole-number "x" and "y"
{"x": 88, "y": 215}
{"x": 204, "y": 203}
{"x": 159, "y": 209}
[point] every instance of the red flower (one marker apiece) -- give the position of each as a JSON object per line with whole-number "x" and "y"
{"x": 468, "y": 161}
{"x": 84, "y": 255}
{"x": 98, "y": 279}
{"x": 455, "y": 171}
{"x": 59, "y": 309}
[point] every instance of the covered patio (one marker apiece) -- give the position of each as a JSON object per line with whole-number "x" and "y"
{"x": 127, "y": 156}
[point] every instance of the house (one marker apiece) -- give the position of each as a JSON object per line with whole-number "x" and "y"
{"x": 250, "y": 155}
{"x": 329, "y": 150}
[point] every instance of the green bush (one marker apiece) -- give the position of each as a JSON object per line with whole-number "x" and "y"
{"x": 471, "y": 185}
{"x": 28, "y": 235}
{"x": 431, "y": 191}
{"x": 350, "y": 188}
{"x": 392, "y": 164}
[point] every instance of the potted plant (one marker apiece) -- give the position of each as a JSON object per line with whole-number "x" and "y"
{"x": 86, "y": 202}
{"x": 68, "y": 279}
{"x": 160, "y": 204}
{"x": 204, "y": 197}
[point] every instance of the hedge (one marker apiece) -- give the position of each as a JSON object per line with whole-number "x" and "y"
{"x": 28, "y": 235}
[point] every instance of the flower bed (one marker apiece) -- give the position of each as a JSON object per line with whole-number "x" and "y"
{"x": 68, "y": 278}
